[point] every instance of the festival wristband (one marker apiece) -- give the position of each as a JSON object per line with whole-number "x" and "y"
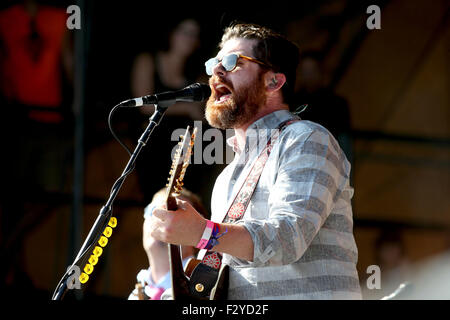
{"x": 214, "y": 239}
{"x": 206, "y": 235}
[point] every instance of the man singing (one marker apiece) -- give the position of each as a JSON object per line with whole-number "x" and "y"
{"x": 293, "y": 239}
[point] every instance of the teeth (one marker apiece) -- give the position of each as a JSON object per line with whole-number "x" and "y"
{"x": 222, "y": 89}
{"x": 222, "y": 92}
{"x": 224, "y": 97}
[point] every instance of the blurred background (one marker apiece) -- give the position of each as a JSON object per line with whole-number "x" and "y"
{"x": 384, "y": 93}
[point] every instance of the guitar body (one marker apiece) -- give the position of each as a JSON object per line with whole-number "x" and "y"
{"x": 180, "y": 282}
{"x": 198, "y": 281}
{"x": 209, "y": 279}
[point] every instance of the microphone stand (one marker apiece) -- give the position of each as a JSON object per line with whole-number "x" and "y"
{"x": 106, "y": 211}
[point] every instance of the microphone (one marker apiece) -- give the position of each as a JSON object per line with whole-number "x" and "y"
{"x": 193, "y": 92}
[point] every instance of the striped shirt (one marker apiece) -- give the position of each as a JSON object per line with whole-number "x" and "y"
{"x": 299, "y": 217}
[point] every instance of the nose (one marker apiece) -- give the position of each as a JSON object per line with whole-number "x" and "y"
{"x": 219, "y": 70}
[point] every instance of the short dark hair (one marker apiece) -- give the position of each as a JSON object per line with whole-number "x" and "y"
{"x": 271, "y": 48}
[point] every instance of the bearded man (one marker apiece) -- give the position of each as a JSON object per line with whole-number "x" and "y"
{"x": 293, "y": 236}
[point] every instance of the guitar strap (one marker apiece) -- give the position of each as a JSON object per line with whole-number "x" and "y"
{"x": 212, "y": 261}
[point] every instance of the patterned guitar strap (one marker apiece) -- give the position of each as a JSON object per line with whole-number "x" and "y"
{"x": 238, "y": 207}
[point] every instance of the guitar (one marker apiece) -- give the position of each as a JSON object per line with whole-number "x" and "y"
{"x": 197, "y": 281}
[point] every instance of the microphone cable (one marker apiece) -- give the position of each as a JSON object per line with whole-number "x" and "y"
{"x": 127, "y": 172}
{"x": 114, "y": 109}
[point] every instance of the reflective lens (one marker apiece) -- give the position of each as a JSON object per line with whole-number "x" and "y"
{"x": 210, "y": 64}
{"x": 228, "y": 63}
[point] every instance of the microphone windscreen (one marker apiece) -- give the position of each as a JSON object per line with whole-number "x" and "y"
{"x": 200, "y": 91}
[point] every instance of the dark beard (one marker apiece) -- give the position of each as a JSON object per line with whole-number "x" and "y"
{"x": 240, "y": 108}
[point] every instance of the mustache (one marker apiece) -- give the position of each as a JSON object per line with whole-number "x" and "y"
{"x": 215, "y": 80}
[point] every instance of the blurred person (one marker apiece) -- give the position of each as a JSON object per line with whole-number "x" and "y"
{"x": 323, "y": 105}
{"x": 156, "y": 278}
{"x": 171, "y": 67}
{"x": 35, "y": 86}
{"x": 390, "y": 250}
{"x": 391, "y": 256}
{"x": 289, "y": 233}
{"x": 392, "y": 259}
{"x": 35, "y": 82}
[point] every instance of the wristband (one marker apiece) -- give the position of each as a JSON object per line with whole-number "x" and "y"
{"x": 213, "y": 241}
{"x": 206, "y": 235}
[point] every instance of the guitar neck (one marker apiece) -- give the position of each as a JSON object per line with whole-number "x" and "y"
{"x": 171, "y": 203}
{"x": 180, "y": 282}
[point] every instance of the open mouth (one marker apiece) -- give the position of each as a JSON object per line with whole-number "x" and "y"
{"x": 222, "y": 93}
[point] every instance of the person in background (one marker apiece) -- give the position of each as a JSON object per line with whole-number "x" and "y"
{"x": 155, "y": 279}
{"x": 390, "y": 250}
{"x": 170, "y": 68}
{"x": 392, "y": 258}
{"x": 36, "y": 68}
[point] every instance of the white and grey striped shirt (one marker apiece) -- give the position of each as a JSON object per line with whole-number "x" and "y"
{"x": 299, "y": 218}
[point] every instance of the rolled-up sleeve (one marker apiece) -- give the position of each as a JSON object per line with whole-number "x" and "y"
{"x": 311, "y": 172}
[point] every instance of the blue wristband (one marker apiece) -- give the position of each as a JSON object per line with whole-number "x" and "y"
{"x": 213, "y": 240}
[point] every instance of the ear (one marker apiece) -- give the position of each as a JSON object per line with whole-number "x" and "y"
{"x": 274, "y": 81}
